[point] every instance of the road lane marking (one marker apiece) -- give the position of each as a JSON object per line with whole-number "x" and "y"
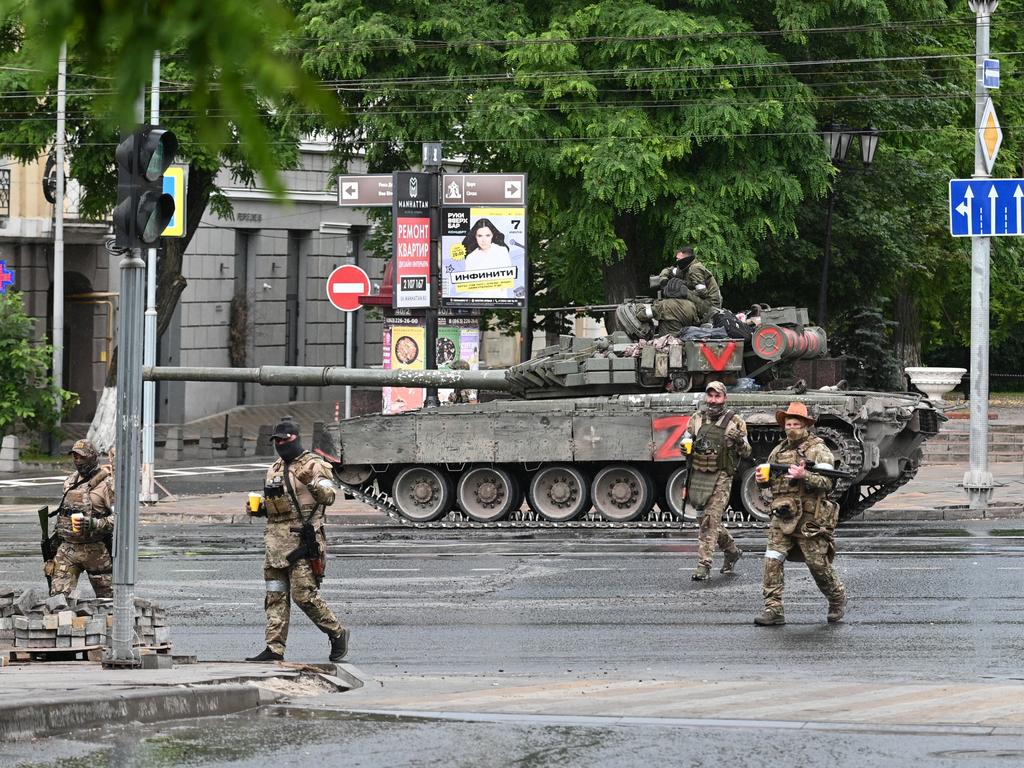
{"x": 194, "y": 570}
{"x": 394, "y": 570}
{"x": 915, "y": 568}
{"x": 487, "y": 569}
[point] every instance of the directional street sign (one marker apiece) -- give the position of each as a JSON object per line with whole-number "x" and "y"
{"x": 345, "y": 285}
{"x": 365, "y": 191}
{"x": 991, "y": 73}
{"x": 990, "y": 135}
{"x": 484, "y": 189}
{"x": 986, "y": 207}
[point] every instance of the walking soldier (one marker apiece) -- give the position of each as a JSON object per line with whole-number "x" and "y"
{"x": 714, "y": 442}
{"x": 297, "y": 491}
{"x": 803, "y": 520}
{"x": 85, "y": 526}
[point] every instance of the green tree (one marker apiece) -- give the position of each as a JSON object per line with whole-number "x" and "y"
{"x": 27, "y": 396}
{"x": 641, "y": 124}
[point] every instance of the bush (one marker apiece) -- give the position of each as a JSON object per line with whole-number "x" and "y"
{"x": 27, "y": 396}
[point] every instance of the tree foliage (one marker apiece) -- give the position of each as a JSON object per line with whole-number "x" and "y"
{"x": 27, "y": 396}
{"x": 641, "y": 125}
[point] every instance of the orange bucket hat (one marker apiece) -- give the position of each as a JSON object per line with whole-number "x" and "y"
{"x": 796, "y": 410}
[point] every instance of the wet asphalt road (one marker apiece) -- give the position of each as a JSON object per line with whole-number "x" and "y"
{"x": 926, "y": 603}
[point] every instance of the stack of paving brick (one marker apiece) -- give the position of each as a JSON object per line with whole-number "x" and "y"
{"x": 32, "y": 620}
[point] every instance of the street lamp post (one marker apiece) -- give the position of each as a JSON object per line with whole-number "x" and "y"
{"x": 837, "y": 140}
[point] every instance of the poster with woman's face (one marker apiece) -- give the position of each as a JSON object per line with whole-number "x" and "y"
{"x": 483, "y": 257}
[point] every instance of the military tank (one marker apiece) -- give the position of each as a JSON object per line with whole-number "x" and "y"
{"x": 588, "y": 430}
{"x": 592, "y": 434}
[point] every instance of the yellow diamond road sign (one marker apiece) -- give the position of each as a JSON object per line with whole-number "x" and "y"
{"x": 990, "y": 135}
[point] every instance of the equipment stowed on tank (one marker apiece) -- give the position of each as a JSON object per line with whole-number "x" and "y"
{"x": 592, "y": 437}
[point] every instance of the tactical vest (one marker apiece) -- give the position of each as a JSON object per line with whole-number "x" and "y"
{"x": 79, "y": 500}
{"x": 711, "y": 453}
{"x": 279, "y": 504}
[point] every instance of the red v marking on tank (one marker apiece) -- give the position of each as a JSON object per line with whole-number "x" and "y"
{"x": 716, "y": 360}
{"x": 669, "y": 449}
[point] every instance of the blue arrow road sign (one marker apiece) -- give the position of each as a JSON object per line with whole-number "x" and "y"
{"x": 990, "y": 73}
{"x": 986, "y": 207}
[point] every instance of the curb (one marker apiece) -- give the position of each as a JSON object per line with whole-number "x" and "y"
{"x": 1010, "y": 512}
{"x": 52, "y": 716}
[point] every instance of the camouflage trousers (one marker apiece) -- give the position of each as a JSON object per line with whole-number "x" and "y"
{"x": 69, "y": 562}
{"x": 294, "y": 583}
{"x": 815, "y": 551}
{"x": 711, "y": 529}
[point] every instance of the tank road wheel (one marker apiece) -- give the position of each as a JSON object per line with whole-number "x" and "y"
{"x": 675, "y": 495}
{"x": 750, "y": 496}
{"x": 422, "y": 494}
{"x": 487, "y": 494}
{"x": 622, "y": 493}
{"x": 559, "y": 493}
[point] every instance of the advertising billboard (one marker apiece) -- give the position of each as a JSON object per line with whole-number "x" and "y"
{"x": 483, "y": 256}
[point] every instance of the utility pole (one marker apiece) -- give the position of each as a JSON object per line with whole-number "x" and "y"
{"x": 978, "y": 479}
{"x": 149, "y": 353}
{"x": 58, "y": 232}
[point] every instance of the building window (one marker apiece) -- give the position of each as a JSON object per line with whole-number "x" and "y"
{"x": 5, "y": 191}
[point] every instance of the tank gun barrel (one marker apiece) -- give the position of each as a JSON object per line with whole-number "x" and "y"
{"x": 315, "y": 376}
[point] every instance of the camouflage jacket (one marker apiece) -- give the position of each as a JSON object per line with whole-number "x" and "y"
{"x": 721, "y": 455}
{"x": 312, "y": 483}
{"x": 697, "y": 274}
{"x": 94, "y": 498}
{"x": 673, "y": 315}
{"x": 804, "y": 499}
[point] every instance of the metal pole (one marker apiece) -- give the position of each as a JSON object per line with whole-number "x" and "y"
{"x": 978, "y": 479}
{"x": 149, "y": 355}
{"x": 432, "y": 400}
{"x": 126, "y": 474}
{"x": 58, "y": 231}
{"x": 825, "y": 260}
{"x": 349, "y": 318}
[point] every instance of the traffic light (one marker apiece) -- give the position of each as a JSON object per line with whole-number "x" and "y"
{"x": 143, "y": 211}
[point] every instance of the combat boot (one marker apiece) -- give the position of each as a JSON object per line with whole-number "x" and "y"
{"x": 730, "y": 561}
{"x": 266, "y": 655}
{"x": 703, "y": 573}
{"x": 769, "y": 619}
{"x": 339, "y": 646}
{"x": 836, "y": 611}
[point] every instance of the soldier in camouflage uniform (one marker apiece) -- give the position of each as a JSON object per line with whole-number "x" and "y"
{"x": 803, "y": 520}
{"x": 704, "y": 288}
{"x": 85, "y": 526}
{"x": 297, "y": 490}
{"x": 674, "y": 312}
{"x": 714, "y": 442}
{"x": 458, "y": 395}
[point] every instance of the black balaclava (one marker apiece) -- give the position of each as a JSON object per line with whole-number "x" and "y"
{"x": 289, "y": 451}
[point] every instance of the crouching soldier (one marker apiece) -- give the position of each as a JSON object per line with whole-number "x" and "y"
{"x": 714, "y": 442}
{"x": 85, "y": 526}
{"x": 803, "y": 520}
{"x": 297, "y": 492}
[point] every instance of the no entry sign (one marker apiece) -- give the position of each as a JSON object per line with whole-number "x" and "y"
{"x": 345, "y": 285}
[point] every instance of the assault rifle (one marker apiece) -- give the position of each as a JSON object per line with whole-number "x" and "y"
{"x": 308, "y": 549}
{"x": 46, "y": 543}
{"x": 810, "y": 466}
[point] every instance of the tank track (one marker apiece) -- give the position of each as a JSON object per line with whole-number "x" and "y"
{"x": 876, "y": 493}
{"x": 527, "y": 519}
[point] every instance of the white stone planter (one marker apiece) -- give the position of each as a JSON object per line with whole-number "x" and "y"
{"x": 935, "y": 382}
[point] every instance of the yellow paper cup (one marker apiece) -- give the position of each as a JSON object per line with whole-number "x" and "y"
{"x": 764, "y": 473}
{"x": 254, "y": 502}
{"x": 687, "y": 443}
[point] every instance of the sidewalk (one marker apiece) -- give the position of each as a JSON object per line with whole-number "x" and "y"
{"x": 39, "y": 699}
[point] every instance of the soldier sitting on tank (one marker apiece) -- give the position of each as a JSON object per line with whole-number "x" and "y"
{"x": 674, "y": 312}
{"x": 704, "y": 288}
{"x": 459, "y": 395}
